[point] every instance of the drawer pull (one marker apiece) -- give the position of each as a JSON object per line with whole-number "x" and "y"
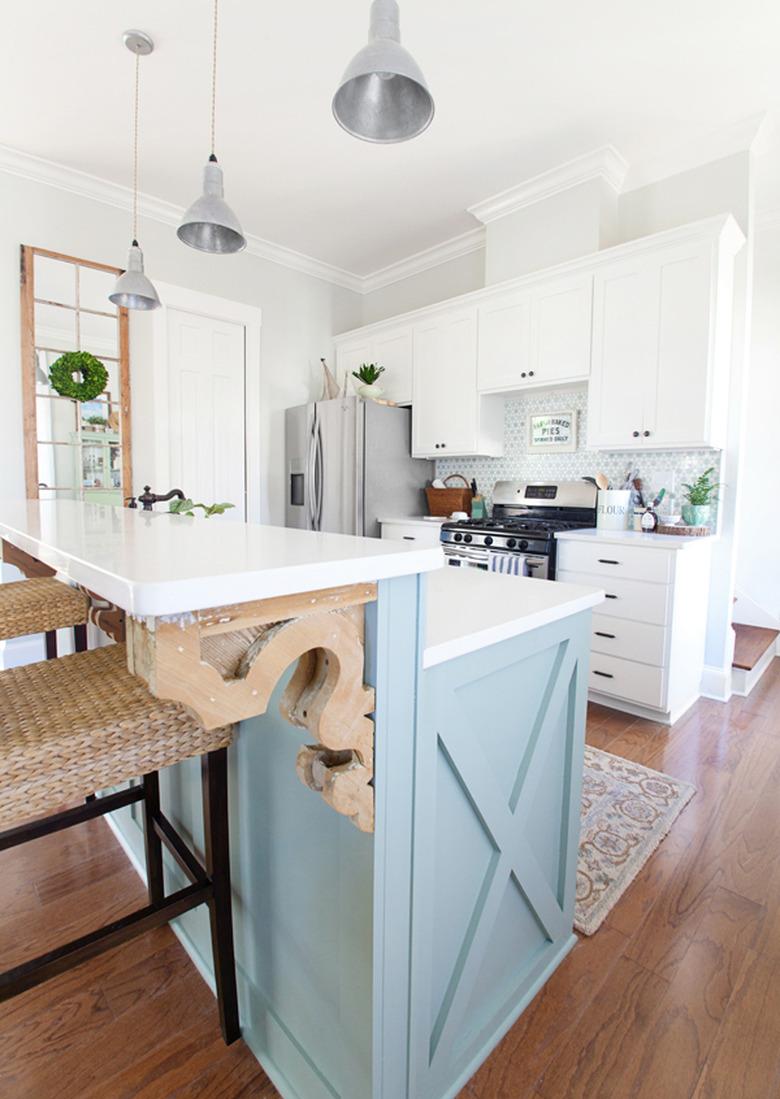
{"x": 604, "y": 675}
{"x": 409, "y": 538}
{"x": 608, "y": 596}
{"x": 607, "y": 561}
{"x": 599, "y": 633}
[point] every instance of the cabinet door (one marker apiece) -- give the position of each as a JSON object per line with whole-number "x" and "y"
{"x": 561, "y": 324}
{"x": 349, "y": 357}
{"x": 679, "y": 405}
{"x": 393, "y": 351}
{"x": 505, "y": 342}
{"x": 623, "y": 366}
{"x": 445, "y": 411}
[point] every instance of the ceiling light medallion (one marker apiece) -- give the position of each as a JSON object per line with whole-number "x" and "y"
{"x": 133, "y": 290}
{"x": 210, "y": 225}
{"x": 383, "y": 96}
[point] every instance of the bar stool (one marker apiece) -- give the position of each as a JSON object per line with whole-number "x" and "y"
{"x": 43, "y": 605}
{"x": 84, "y": 723}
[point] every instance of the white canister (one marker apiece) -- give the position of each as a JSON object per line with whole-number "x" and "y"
{"x": 613, "y": 509}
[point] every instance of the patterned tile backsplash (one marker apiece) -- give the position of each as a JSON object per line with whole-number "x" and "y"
{"x": 658, "y": 468}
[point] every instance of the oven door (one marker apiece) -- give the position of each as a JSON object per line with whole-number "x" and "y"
{"x": 465, "y": 557}
{"x": 535, "y": 565}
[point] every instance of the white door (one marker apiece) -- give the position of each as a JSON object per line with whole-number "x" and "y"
{"x": 445, "y": 413}
{"x": 393, "y": 351}
{"x": 505, "y": 342}
{"x": 206, "y": 409}
{"x": 350, "y": 357}
{"x": 561, "y": 325}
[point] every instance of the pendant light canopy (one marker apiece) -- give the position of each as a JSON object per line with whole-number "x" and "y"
{"x": 209, "y": 224}
{"x": 133, "y": 290}
{"x": 383, "y": 96}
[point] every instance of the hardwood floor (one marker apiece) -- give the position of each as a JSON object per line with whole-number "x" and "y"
{"x": 676, "y": 996}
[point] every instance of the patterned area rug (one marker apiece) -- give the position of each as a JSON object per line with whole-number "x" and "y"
{"x": 627, "y": 810}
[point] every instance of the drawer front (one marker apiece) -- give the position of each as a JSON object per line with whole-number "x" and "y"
{"x": 627, "y": 679}
{"x": 630, "y": 640}
{"x": 428, "y": 535}
{"x": 605, "y": 559}
{"x": 627, "y": 598}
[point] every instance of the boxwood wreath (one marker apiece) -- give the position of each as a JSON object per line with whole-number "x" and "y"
{"x": 93, "y": 375}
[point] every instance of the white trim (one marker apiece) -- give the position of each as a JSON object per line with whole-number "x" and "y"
{"x": 649, "y": 713}
{"x": 738, "y": 137}
{"x": 251, "y": 319}
{"x": 768, "y": 221}
{"x": 743, "y": 680}
{"x": 462, "y": 245}
{"x": 716, "y": 683}
{"x": 605, "y": 163}
{"x": 120, "y": 197}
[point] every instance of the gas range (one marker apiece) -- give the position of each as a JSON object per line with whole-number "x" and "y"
{"x": 519, "y": 538}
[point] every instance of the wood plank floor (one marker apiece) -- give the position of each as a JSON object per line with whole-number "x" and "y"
{"x": 676, "y": 996}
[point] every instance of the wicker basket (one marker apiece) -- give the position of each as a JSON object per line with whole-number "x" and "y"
{"x": 682, "y": 531}
{"x": 443, "y": 501}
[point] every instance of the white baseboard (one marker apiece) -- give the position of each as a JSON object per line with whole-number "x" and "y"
{"x": 743, "y": 681}
{"x": 660, "y": 717}
{"x": 193, "y": 954}
{"x": 716, "y": 683}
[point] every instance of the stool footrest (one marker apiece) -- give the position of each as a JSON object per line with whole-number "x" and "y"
{"x": 179, "y": 850}
{"x": 95, "y": 807}
{"x": 40, "y": 969}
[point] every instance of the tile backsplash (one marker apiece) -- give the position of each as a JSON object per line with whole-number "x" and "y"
{"x": 658, "y": 468}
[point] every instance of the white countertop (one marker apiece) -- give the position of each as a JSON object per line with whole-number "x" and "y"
{"x": 468, "y": 609}
{"x": 633, "y": 538}
{"x": 154, "y": 563}
{"x": 418, "y": 520}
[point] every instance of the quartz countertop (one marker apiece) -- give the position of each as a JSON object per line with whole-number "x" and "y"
{"x": 468, "y": 609}
{"x": 155, "y": 563}
{"x": 633, "y": 538}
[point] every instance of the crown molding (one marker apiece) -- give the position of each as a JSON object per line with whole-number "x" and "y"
{"x": 605, "y": 163}
{"x": 462, "y": 245}
{"x": 75, "y": 182}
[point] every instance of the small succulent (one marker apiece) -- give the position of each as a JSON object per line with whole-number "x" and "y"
{"x": 703, "y": 491}
{"x": 187, "y": 507}
{"x": 369, "y": 373}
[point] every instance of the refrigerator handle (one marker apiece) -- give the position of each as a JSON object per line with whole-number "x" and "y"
{"x": 320, "y": 478}
{"x": 310, "y": 508}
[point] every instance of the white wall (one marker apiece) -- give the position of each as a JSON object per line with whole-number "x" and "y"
{"x": 300, "y": 313}
{"x": 447, "y": 280}
{"x": 758, "y": 546}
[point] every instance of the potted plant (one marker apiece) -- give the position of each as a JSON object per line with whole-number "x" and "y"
{"x": 699, "y": 498}
{"x": 368, "y": 376}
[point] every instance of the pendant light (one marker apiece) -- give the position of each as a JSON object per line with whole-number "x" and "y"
{"x": 133, "y": 290}
{"x": 383, "y": 96}
{"x": 210, "y": 225}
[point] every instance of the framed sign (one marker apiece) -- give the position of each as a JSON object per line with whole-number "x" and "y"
{"x": 553, "y": 431}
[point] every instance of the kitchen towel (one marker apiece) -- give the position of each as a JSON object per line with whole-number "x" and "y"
{"x": 511, "y": 564}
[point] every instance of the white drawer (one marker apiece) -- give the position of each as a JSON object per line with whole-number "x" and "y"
{"x": 630, "y": 640}
{"x": 632, "y": 599}
{"x": 427, "y": 534}
{"x": 639, "y": 683}
{"x": 607, "y": 559}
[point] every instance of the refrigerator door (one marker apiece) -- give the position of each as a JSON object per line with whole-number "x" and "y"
{"x": 298, "y": 447}
{"x": 338, "y": 465}
{"x": 393, "y": 483}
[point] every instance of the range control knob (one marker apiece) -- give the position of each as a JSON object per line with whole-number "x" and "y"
{"x": 466, "y": 537}
{"x": 511, "y": 543}
{"x": 488, "y": 540}
{"x": 523, "y": 544}
{"x": 458, "y": 537}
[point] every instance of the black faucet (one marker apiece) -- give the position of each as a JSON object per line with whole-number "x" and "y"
{"x": 148, "y": 499}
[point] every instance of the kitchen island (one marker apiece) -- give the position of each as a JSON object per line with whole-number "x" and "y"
{"x": 405, "y": 884}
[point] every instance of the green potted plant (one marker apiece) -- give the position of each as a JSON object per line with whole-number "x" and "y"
{"x": 368, "y": 375}
{"x": 699, "y": 498}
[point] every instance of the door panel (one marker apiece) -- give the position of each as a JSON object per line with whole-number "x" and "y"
{"x": 206, "y": 409}
{"x": 393, "y": 351}
{"x": 337, "y": 472}
{"x": 561, "y": 330}
{"x": 446, "y": 408}
{"x": 505, "y": 342}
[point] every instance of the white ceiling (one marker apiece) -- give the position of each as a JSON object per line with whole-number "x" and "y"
{"x": 520, "y": 87}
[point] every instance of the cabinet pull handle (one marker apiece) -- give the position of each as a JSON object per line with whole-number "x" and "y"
{"x": 607, "y": 561}
{"x": 606, "y": 593}
{"x": 599, "y": 633}
{"x": 409, "y": 538}
{"x": 604, "y": 675}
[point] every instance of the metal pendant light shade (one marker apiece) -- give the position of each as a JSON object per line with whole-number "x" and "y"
{"x": 210, "y": 225}
{"x": 133, "y": 290}
{"x": 383, "y": 96}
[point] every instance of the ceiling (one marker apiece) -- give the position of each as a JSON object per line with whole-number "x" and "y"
{"x": 520, "y": 87}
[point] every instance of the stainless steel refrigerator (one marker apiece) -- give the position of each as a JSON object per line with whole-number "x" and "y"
{"x": 349, "y": 464}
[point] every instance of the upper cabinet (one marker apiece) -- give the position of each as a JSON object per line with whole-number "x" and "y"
{"x": 537, "y": 336}
{"x": 448, "y": 414}
{"x": 661, "y": 343}
{"x": 390, "y": 348}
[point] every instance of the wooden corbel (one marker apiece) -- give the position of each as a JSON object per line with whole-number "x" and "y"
{"x": 223, "y": 664}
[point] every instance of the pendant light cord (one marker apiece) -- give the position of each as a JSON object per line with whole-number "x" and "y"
{"x": 135, "y": 149}
{"x": 214, "y": 82}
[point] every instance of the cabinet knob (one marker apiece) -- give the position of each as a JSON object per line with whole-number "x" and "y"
{"x": 530, "y": 373}
{"x": 646, "y": 434}
{"x": 523, "y": 374}
{"x": 436, "y": 445}
{"x": 443, "y": 445}
{"x": 635, "y": 434}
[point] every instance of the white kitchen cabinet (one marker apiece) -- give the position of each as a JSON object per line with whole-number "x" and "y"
{"x": 536, "y": 337}
{"x": 661, "y": 343}
{"x": 648, "y": 636}
{"x": 387, "y": 347}
{"x": 448, "y": 414}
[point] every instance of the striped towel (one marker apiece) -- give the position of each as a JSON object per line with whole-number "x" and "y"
{"x": 511, "y": 564}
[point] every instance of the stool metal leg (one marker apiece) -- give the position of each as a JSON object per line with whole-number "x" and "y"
{"x": 152, "y": 843}
{"x": 215, "y": 818}
{"x": 80, "y": 638}
{"x": 51, "y": 644}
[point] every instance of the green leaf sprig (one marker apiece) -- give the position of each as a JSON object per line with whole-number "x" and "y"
{"x": 704, "y": 490}
{"x": 187, "y": 507}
